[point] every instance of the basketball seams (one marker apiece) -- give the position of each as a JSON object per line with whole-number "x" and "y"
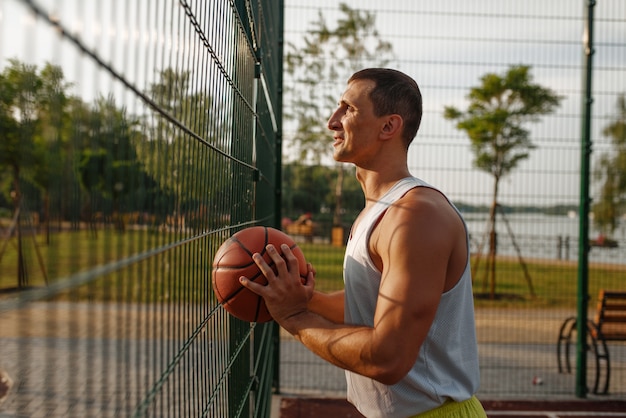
{"x": 239, "y": 249}
{"x": 234, "y": 240}
{"x": 222, "y": 269}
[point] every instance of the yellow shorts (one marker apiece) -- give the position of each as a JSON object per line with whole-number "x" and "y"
{"x": 470, "y": 408}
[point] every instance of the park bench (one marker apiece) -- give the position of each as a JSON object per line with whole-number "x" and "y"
{"x": 301, "y": 230}
{"x": 609, "y": 324}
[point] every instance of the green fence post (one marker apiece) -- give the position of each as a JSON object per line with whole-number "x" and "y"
{"x": 278, "y": 73}
{"x": 583, "y": 244}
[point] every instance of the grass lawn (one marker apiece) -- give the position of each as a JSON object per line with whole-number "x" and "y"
{"x": 554, "y": 283}
{"x": 183, "y": 273}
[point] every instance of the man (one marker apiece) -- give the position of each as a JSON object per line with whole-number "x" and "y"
{"x": 403, "y": 327}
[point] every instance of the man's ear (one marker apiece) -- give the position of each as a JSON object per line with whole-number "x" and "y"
{"x": 392, "y": 126}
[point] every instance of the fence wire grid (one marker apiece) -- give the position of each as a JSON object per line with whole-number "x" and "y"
{"x": 136, "y": 137}
{"x": 447, "y": 46}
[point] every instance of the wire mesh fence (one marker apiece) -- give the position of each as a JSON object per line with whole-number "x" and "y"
{"x": 136, "y": 137}
{"x": 448, "y": 46}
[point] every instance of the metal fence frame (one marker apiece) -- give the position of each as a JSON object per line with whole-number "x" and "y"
{"x": 447, "y": 47}
{"x": 131, "y": 327}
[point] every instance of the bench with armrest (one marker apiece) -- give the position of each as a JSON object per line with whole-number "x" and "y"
{"x": 609, "y": 324}
{"x": 301, "y": 227}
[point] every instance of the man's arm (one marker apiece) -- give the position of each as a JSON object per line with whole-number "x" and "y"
{"x": 412, "y": 244}
{"x": 328, "y": 305}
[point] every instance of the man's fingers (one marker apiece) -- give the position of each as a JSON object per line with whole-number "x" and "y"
{"x": 253, "y": 286}
{"x": 283, "y": 264}
{"x": 284, "y": 261}
{"x": 263, "y": 266}
{"x": 309, "y": 280}
{"x": 290, "y": 258}
{"x": 277, "y": 258}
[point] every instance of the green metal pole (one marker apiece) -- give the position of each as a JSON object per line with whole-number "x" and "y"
{"x": 278, "y": 205}
{"x": 583, "y": 244}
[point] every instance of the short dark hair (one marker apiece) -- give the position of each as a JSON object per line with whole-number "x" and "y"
{"x": 394, "y": 93}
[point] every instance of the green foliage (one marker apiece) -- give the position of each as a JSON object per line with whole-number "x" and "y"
{"x": 494, "y": 119}
{"x": 110, "y": 161}
{"x": 121, "y": 163}
{"x": 96, "y": 162}
{"x": 494, "y": 122}
{"x": 305, "y": 188}
{"x": 29, "y": 112}
{"x": 309, "y": 189}
{"x": 172, "y": 156}
{"x": 329, "y": 56}
{"x": 21, "y": 148}
{"x": 611, "y": 175}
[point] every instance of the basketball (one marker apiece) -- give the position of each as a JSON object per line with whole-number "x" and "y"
{"x": 234, "y": 259}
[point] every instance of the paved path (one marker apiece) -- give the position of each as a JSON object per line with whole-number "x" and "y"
{"x": 67, "y": 359}
{"x": 517, "y": 350}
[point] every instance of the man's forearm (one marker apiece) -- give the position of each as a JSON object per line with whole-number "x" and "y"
{"x": 328, "y": 305}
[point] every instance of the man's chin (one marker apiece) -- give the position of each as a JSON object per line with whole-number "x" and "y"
{"x": 339, "y": 156}
{"x": 339, "y": 159}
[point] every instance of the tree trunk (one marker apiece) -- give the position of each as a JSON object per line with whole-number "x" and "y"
{"x": 493, "y": 240}
{"x": 22, "y": 276}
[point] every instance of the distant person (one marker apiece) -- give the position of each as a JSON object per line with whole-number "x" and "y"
{"x": 403, "y": 328}
{"x": 304, "y": 219}
{"x": 601, "y": 239}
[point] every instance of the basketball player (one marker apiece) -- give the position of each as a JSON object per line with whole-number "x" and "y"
{"x": 403, "y": 328}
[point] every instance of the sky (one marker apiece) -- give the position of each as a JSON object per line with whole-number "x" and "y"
{"x": 445, "y": 45}
{"x": 448, "y": 45}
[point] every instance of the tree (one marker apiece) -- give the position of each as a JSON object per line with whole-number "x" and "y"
{"x": 109, "y": 166}
{"x": 21, "y": 148}
{"x": 305, "y": 187}
{"x": 176, "y": 159}
{"x": 55, "y": 121}
{"x": 611, "y": 174}
{"x": 498, "y": 109}
{"x": 329, "y": 56}
{"x": 308, "y": 189}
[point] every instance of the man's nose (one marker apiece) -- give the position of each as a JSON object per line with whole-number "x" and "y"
{"x": 334, "y": 124}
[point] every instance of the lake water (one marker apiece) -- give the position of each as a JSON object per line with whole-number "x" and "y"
{"x": 542, "y": 236}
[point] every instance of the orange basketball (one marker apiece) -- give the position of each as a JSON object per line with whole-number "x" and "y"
{"x": 234, "y": 259}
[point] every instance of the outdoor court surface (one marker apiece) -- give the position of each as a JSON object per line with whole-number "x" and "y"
{"x": 340, "y": 408}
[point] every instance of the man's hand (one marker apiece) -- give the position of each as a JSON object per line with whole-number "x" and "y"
{"x": 285, "y": 295}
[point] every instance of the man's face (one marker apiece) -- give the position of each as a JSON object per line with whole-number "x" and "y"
{"x": 354, "y": 125}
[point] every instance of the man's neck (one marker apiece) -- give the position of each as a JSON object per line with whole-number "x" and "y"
{"x": 375, "y": 184}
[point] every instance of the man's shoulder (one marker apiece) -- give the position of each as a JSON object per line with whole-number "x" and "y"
{"x": 422, "y": 207}
{"x": 423, "y": 198}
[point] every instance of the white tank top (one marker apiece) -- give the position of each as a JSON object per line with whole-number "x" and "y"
{"x": 447, "y": 364}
